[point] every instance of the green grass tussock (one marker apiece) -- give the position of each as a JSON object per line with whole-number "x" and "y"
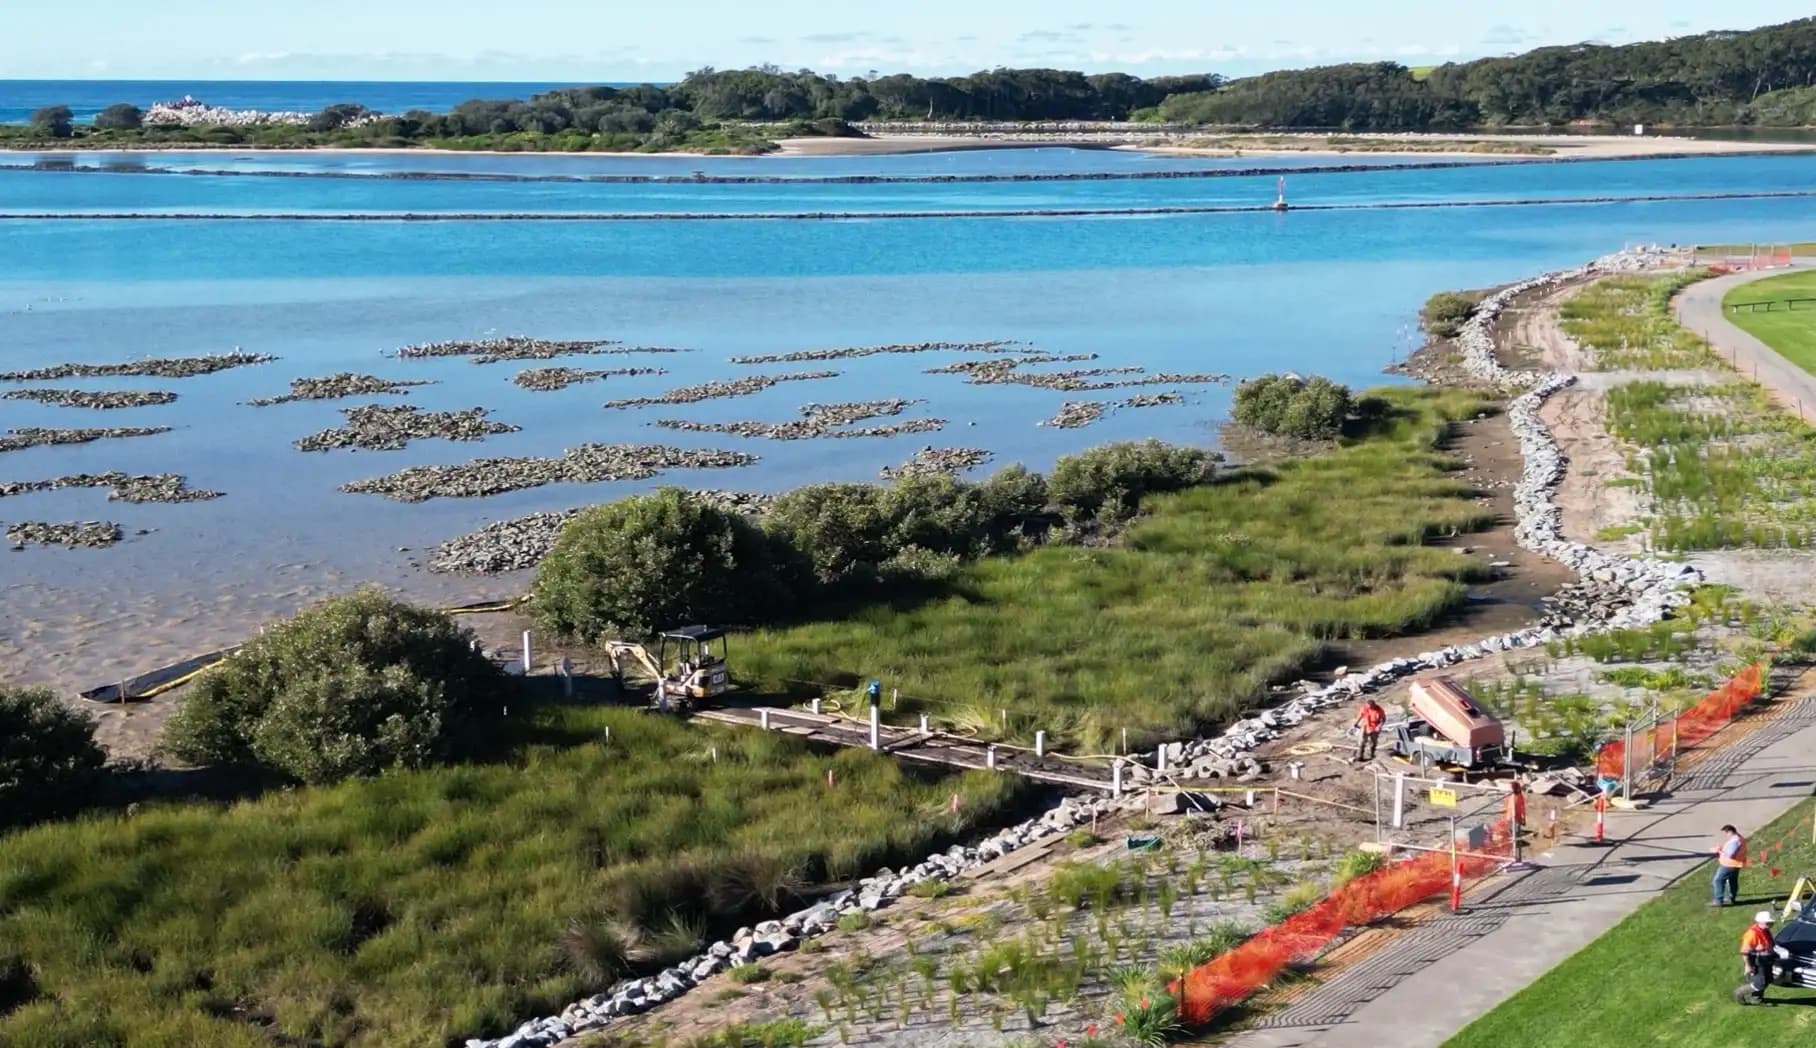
{"x": 1674, "y": 961}
{"x": 422, "y": 906}
{"x": 1211, "y": 595}
{"x": 1626, "y": 322}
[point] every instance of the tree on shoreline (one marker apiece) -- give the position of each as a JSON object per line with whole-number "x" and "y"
{"x": 121, "y": 116}
{"x": 53, "y": 122}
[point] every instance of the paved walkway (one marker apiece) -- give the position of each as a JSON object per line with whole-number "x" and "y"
{"x": 1442, "y": 974}
{"x": 1699, "y": 309}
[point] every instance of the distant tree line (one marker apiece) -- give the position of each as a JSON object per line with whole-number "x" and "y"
{"x": 1764, "y": 77}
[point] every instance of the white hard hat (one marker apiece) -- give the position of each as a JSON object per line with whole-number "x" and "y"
{"x": 1763, "y": 917}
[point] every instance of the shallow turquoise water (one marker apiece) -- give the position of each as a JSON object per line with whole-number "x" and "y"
{"x": 1327, "y": 292}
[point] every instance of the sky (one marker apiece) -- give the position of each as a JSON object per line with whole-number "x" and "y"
{"x": 611, "y": 40}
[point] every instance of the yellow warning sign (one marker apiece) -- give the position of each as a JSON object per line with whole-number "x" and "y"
{"x": 1443, "y": 797}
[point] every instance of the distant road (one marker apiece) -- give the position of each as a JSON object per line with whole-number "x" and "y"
{"x": 1699, "y": 309}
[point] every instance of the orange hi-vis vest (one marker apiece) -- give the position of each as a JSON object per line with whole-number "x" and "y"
{"x": 1739, "y": 858}
{"x": 1755, "y": 940}
{"x": 1372, "y": 718}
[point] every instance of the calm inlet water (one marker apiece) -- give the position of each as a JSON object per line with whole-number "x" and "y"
{"x": 1330, "y": 292}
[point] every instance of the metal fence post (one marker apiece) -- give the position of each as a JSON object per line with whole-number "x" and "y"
{"x": 1627, "y": 766}
{"x": 1399, "y": 800}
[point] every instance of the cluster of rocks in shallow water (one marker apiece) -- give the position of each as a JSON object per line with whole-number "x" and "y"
{"x": 164, "y": 367}
{"x": 879, "y": 891}
{"x": 32, "y": 437}
{"x": 931, "y": 462}
{"x": 388, "y": 427}
{"x": 549, "y": 379}
{"x": 852, "y": 352}
{"x": 88, "y": 534}
{"x": 161, "y": 487}
{"x": 344, "y": 384}
{"x": 587, "y": 464}
{"x": 82, "y": 398}
{"x": 1076, "y": 414}
{"x": 821, "y": 420}
{"x": 518, "y": 347}
{"x": 1012, "y": 370}
{"x": 512, "y": 545}
{"x": 737, "y": 387}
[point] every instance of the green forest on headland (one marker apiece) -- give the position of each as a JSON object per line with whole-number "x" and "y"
{"x": 1764, "y": 77}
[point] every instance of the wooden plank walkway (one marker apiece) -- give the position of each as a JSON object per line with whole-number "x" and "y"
{"x": 909, "y": 744}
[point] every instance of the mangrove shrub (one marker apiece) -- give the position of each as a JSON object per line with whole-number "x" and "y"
{"x": 1105, "y": 485}
{"x": 49, "y": 763}
{"x": 650, "y": 562}
{"x": 353, "y": 686}
{"x": 1290, "y": 406}
{"x": 1444, "y": 313}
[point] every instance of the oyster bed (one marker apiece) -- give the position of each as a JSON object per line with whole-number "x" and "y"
{"x": 33, "y": 437}
{"x": 518, "y": 347}
{"x": 344, "y": 384}
{"x": 513, "y": 545}
{"x": 158, "y": 367}
{"x": 88, "y": 534}
{"x": 930, "y": 462}
{"x": 1077, "y": 414}
{"x": 81, "y": 398}
{"x": 161, "y": 487}
{"x": 388, "y": 427}
{"x": 587, "y": 464}
{"x": 547, "y": 379}
{"x": 851, "y": 352}
{"x": 821, "y": 420}
{"x": 737, "y": 387}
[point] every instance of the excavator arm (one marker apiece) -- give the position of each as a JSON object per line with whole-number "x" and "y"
{"x": 622, "y": 651}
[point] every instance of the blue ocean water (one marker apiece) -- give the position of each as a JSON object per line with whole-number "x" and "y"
{"x": 85, "y": 98}
{"x": 1332, "y": 292}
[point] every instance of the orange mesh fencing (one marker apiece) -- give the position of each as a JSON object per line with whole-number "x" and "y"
{"x": 1231, "y": 977}
{"x": 1716, "y": 711}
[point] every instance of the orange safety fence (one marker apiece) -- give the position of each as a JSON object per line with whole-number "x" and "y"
{"x": 1231, "y": 977}
{"x": 1693, "y": 725}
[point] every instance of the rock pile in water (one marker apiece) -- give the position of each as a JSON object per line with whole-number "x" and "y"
{"x": 1076, "y": 414}
{"x": 547, "y": 379}
{"x": 89, "y": 534}
{"x": 1013, "y": 370}
{"x": 587, "y": 464}
{"x": 821, "y": 420}
{"x": 518, "y": 347}
{"x": 81, "y": 398}
{"x": 737, "y": 387}
{"x": 32, "y": 437}
{"x": 344, "y": 384}
{"x": 164, "y": 367}
{"x": 388, "y": 427}
{"x": 161, "y": 487}
{"x": 512, "y": 545}
{"x": 1153, "y": 400}
{"x": 930, "y": 461}
{"x": 851, "y": 352}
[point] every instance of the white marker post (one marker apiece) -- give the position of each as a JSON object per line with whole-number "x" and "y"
{"x": 1399, "y": 822}
{"x": 990, "y": 757}
{"x": 763, "y": 718}
{"x": 526, "y": 653}
{"x": 816, "y": 707}
{"x": 925, "y": 728}
{"x": 1160, "y": 759}
{"x": 566, "y": 669}
{"x": 1116, "y": 781}
{"x": 1040, "y": 744}
{"x": 876, "y": 728}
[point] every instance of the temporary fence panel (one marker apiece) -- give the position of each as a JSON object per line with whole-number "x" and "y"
{"x": 1655, "y": 743}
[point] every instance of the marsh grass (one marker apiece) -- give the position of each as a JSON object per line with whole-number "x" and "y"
{"x": 1626, "y": 323}
{"x": 424, "y": 906}
{"x": 1212, "y": 596}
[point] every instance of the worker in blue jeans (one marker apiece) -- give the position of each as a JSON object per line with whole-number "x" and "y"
{"x": 1730, "y": 856}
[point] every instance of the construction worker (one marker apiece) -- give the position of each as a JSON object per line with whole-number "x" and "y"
{"x": 1730, "y": 857}
{"x": 1756, "y": 949}
{"x": 1515, "y": 807}
{"x": 1369, "y": 721}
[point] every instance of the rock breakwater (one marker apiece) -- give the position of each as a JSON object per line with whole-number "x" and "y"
{"x": 32, "y": 437}
{"x": 87, "y": 534}
{"x": 587, "y": 464}
{"x": 343, "y": 384}
{"x": 737, "y": 387}
{"x": 549, "y": 379}
{"x": 389, "y": 427}
{"x": 103, "y": 401}
{"x": 123, "y": 487}
{"x": 156, "y": 367}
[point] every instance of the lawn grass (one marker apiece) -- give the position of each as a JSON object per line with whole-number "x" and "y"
{"x": 419, "y": 908}
{"x": 1212, "y": 596}
{"x": 1662, "y": 977}
{"x": 1792, "y": 332}
{"x": 1626, "y": 322}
